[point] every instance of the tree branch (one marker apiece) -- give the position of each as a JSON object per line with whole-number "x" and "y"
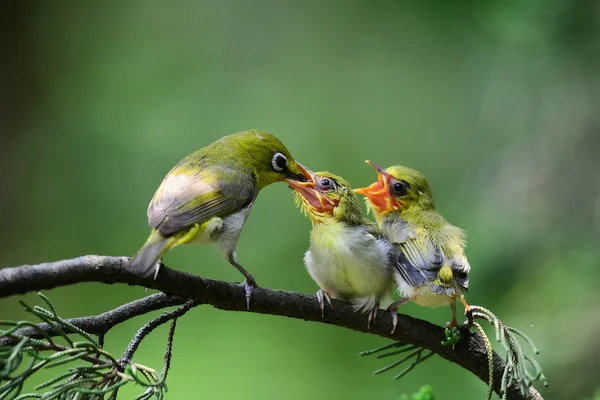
{"x": 100, "y": 324}
{"x": 470, "y": 354}
{"x": 149, "y": 327}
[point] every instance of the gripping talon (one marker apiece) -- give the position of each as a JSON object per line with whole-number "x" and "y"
{"x": 393, "y": 308}
{"x": 329, "y": 301}
{"x": 394, "y": 313}
{"x": 321, "y": 297}
{"x": 321, "y": 302}
{"x": 248, "y": 287}
{"x": 372, "y": 315}
{"x": 452, "y": 324}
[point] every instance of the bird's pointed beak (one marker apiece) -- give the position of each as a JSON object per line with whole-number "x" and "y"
{"x": 308, "y": 178}
{"x": 304, "y": 176}
{"x": 309, "y": 191}
{"x": 378, "y": 193}
{"x": 379, "y": 187}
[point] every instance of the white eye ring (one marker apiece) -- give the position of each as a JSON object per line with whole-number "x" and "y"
{"x": 276, "y": 160}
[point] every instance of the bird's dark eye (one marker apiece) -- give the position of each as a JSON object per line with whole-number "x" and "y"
{"x": 400, "y": 188}
{"x": 279, "y": 162}
{"x": 327, "y": 184}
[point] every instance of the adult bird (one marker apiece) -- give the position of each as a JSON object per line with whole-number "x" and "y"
{"x": 431, "y": 266}
{"x": 348, "y": 256}
{"x": 208, "y": 196}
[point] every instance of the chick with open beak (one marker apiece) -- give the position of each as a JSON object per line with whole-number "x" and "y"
{"x": 431, "y": 267}
{"x": 348, "y": 256}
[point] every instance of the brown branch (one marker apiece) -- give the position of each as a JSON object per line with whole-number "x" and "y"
{"x": 470, "y": 354}
{"x": 100, "y": 324}
{"x": 150, "y": 326}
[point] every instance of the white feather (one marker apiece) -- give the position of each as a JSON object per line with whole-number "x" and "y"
{"x": 350, "y": 264}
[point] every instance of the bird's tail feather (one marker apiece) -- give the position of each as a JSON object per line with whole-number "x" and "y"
{"x": 144, "y": 261}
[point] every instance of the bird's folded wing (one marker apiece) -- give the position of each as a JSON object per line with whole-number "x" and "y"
{"x": 461, "y": 267}
{"x": 418, "y": 260}
{"x": 185, "y": 199}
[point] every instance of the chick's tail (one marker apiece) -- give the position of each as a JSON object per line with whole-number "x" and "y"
{"x": 364, "y": 304}
{"x": 144, "y": 262}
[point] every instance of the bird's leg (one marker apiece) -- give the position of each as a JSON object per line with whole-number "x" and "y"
{"x": 393, "y": 309}
{"x": 454, "y": 322}
{"x": 373, "y": 315}
{"x": 321, "y": 297}
{"x": 452, "y": 327}
{"x": 249, "y": 283}
{"x": 468, "y": 311}
{"x": 464, "y": 302}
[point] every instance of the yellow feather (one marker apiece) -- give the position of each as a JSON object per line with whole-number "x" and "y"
{"x": 188, "y": 236}
{"x": 445, "y": 275}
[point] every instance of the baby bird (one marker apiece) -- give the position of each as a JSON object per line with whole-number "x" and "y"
{"x": 348, "y": 256}
{"x": 431, "y": 266}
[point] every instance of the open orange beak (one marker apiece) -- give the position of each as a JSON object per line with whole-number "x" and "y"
{"x": 309, "y": 191}
{"x": 378, "y": 193}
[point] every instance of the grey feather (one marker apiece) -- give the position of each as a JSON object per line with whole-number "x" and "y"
{"x": 461, "y": 268}
{"x": 144, "y": 261}
{"x": 397, "y": 229}
{"x": 171, "y": 210}
{"x": 407, "y": 271}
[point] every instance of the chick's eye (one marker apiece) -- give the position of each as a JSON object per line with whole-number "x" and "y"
{"x": 400, "y": 188}
{"x": 325, "y": 183}
{"x": 279, "y": 162}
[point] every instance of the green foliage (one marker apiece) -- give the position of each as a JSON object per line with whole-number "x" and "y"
{"x": 97, "y": 375}
{"x": 516, "y": 370}
{"x": 452, "y": 337}
{"x": 517, "y": 361}
{"x": 495, "y": 101}
{"x": 490, "y": 358}
{"x": 415, "y": 352}
{"x": 425, "y": 393}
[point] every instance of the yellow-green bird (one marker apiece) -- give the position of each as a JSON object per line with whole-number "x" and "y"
{"x": 432, "y": 268}
{"x": 208, "y": 195}
{"x": 348, "y": 256}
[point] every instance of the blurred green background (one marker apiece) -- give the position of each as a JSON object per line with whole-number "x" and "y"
{"x": 496, "y": 102}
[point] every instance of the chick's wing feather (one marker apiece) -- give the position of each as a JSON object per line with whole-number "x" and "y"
{"x": 461, "y": 267}
{"x": 418, "y": 259}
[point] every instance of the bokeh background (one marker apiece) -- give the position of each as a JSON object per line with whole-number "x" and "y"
{"x": 496, "y": 102}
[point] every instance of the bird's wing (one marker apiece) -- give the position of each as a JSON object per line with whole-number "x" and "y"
{"x": 418, "y": 259}
{"x": 455, "y": 242}
{"x": 461, "y": 267}
{"x": 184, "y": 199}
